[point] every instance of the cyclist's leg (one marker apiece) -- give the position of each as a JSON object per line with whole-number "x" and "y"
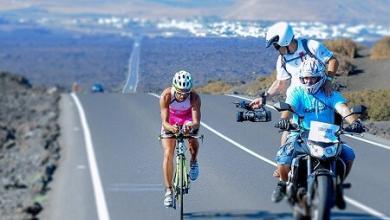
{"x": 193, "y": 148}
{"x": 168, "y": 145}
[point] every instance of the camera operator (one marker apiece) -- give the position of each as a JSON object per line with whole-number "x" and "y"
{"x": 292, "y": 52}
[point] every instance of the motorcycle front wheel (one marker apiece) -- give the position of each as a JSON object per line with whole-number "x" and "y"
{"x": 322, "y": 198}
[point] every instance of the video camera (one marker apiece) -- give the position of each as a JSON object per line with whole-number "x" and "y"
{"x": 254, "y": 115}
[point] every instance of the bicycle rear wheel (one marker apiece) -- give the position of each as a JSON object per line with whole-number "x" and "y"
{"x": 181, "y": 177}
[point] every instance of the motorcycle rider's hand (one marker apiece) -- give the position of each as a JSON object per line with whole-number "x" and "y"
{"x": 284, "y": 124}
{"x": 256, "y": 103}
{"x": 356, "y": 127}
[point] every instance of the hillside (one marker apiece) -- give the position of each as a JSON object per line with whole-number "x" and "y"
{"x": 29, "y": 149}
{"x": 61, "y": 58}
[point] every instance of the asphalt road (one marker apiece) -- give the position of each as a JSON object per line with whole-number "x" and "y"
{"x": 236, "y": 165}
{"x": 132, "y": 78}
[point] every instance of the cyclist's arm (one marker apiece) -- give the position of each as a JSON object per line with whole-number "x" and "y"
{"x": 165, "y": 98}
{"x": 195, "y": 103}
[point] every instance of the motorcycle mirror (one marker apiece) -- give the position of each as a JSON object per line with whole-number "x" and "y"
{"x": 282, "y": 106}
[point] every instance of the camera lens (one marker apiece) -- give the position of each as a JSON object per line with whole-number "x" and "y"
{"x": 240, "y": 116}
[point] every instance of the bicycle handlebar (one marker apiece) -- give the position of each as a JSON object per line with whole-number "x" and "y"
{"x": 177, "y": 136}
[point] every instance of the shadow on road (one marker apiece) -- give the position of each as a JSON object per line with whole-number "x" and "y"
{"x": 265, "y": 215}
{"x": 238, "y": 215}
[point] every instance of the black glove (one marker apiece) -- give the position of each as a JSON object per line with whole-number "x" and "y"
{"x": 284, "y": 124}
{"x": 356, "y": 127}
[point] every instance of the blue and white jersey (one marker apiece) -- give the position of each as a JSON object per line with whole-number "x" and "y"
{"x": 294, "y": 61}
{"x": 316, "y": 107}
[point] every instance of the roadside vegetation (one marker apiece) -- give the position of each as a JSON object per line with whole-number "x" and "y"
{"x": 344, "y": 50}
{"x": 215, "y": 87}
{"x": 344, "y": 47}
{"x": 381, "y": 50}
{"x": 377, "y": 102}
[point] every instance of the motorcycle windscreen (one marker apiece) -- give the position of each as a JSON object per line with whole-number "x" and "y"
{"x": 323, "y": 132}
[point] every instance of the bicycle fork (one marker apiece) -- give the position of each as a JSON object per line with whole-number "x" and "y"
{"x": 181, "y": 174}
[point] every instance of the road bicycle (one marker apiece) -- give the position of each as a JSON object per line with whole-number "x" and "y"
{"x": 181, "y": 180}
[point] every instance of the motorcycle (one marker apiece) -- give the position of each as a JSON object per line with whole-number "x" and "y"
{"x": 316, "y": 179}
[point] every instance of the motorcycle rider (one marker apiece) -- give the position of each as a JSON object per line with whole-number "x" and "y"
{"x": 292, "y": 52}
{"x": 309, "y": 99}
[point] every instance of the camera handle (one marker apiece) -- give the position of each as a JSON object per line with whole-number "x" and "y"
{"x": 263, "y": 97}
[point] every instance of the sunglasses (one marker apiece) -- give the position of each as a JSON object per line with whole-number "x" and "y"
{"x": 277, "y": 46}
{"x": 183, "y": 93}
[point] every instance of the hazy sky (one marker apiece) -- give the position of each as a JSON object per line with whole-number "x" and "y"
{"x": 356, "y": 11}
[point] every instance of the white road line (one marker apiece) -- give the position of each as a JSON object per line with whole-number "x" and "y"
{"x": 97, "y": 185}
{"x": 368, "y": 141}
{"x": 366, "y": 208}
{"x": 238, "y": 145}
{"x": 349, "y": 200}
{"x": 351, "y": 136}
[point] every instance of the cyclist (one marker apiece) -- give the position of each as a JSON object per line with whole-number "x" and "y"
{"x": 180, "y": 106}
{"x": 309, "y": 99}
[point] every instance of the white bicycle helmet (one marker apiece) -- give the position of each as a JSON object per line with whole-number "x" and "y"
{"x": 280, "y": 33}
{"x": 312, "y": 68}
{"x": 182, "y": 81}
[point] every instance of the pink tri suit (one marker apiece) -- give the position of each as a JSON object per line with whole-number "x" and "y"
{"x": 179, "y": 112}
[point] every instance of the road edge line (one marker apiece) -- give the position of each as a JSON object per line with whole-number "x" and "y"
{"x": 100, "y": 200}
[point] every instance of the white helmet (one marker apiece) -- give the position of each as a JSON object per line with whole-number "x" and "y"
{"x": 182, "y": 81}
{"x": 311, "y": 67}
{"x": 280, "y": 33}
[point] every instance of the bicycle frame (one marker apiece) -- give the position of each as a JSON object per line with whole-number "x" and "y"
{"x": 181, "y": 180}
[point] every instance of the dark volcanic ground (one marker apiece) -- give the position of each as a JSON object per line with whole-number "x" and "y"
{"x": 29, "y": 150}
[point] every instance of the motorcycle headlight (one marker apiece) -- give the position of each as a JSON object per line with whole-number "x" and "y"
{"x": 322, "y": 150}
{"x": 315, "y": 150}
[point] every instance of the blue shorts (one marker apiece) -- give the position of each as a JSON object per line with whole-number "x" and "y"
{"x": 286, "y": 152}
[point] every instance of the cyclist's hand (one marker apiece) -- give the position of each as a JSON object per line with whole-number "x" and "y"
{"x": 187, "y": 127}
{"x": 256, "y": 103}
{"x": 174, "y": 129}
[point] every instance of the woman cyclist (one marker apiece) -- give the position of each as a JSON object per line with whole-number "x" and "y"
{"x": 180, "y": 106}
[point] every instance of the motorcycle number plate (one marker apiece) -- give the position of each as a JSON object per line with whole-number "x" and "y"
{"x": 323, "y": 132}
